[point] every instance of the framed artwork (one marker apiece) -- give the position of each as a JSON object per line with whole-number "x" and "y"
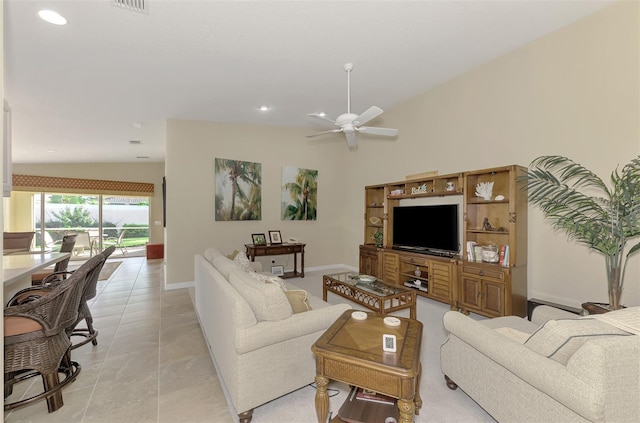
{"x": 275, "y": 237}
{"x": 277, "y": 270}
{"x": 259, "y": 239}
{"x": 238, "y": 193}
{"x": 299, "y": 194}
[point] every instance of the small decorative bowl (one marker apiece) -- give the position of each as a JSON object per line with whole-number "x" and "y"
{"x": 375, "y": 220}
{"x": 367, "y": 278}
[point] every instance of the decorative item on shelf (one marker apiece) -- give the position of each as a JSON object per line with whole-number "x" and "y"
{"x": 499, "y": 197}
{"x": 490, "y": 254}
{"x": 374, "y": 220}
{"x": 484, "y": 190}
{"x": 451, "y": 186}
{"x": 602, "y": 218}
{"x": 374, "y": 203}
{"x": 421, "y": 189}
{"x": 397, "y": 192}
{"x": 417, "y": 272}
{"x": 377, "y": 238}
{"x": 486, "y": 226}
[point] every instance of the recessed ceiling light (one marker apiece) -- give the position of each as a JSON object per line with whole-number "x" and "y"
{"x": 51, "y": 151}
{"x": 52, "y": 17}
{"x": 137, "y": 125}
{"x": 323, "y": 114}
{"x": 264, "y": 108}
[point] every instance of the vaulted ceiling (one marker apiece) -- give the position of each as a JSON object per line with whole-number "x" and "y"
{"x": 81, "y": 92}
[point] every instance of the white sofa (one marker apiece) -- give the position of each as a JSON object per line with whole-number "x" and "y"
{"x": 559, "y": 367}
{"x": 260, "y": 351}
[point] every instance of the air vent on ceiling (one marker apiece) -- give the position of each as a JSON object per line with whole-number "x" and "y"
{"x": 135, "y": 142}
{"x": 141, "y": 6}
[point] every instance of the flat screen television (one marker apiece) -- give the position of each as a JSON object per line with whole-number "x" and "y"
{"x": 427, "y": 229}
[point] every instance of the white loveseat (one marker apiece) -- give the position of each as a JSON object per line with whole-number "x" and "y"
{"x": 557, "y": 368}
{"x": 260, "y": 348}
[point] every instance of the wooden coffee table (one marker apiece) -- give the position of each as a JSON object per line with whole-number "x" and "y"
{"x": 350, "y": 351}
{"x": 379, "y": 296}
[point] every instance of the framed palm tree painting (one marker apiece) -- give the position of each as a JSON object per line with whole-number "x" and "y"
{"x": 238, "y": 193}
{"x": 299, "y": 193}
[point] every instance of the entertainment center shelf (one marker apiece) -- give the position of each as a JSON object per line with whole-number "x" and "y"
{"x": 464, "y": 281}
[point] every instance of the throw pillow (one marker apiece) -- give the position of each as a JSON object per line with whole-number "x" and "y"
{"x": 560, "y": 339}
{"x": 242, "y": 261}
{"x": 298, "y": 300}
{"x": 233, "y": 255}
{"x": 266, "y": 278}
{"x": 267, "y": 300}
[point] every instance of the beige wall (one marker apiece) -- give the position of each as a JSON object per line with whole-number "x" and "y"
{"x": 134, "y": 172}
{"x": 191, "y": 149}
{"x": 574, "y": 92}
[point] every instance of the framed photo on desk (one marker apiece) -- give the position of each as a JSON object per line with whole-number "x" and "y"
{"x": 259, "y": 239}
{"x": 275, "y": 237}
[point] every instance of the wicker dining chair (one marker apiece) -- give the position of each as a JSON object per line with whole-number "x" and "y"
{"x": 89, "y": 292}
{"x": 68, "y": 242}
{"x": 36, "y": 342}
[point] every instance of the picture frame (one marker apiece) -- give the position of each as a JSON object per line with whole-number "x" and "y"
{"x": 259, "y": 239}
{"x": 275, "y": 237}
{"x": 277, "y": 270}
{"x": 388, "y": 343}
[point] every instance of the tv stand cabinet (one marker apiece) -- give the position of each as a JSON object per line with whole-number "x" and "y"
{"x": 489, "y": 289}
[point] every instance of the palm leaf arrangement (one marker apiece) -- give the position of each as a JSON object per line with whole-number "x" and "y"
{"x": 604, "y": 218}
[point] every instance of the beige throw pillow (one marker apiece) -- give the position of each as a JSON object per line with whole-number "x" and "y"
{"x": 298, "y": 300}
{"x": 267, "y": 300}
{"x": 242, "y": 261}
{"x": 560, "y": 339}
{"x": 262, "y": 277}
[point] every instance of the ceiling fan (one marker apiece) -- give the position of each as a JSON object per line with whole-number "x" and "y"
{"x": 350, "y": 123}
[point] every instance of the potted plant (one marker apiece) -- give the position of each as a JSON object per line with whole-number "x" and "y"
{"x": 578, "y": 202}
{"x": 377, "y": 238}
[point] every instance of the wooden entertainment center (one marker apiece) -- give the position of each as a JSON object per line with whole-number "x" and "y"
{"x": 466, "y": 284}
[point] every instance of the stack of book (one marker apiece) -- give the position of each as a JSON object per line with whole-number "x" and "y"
{"x": 364, "y": 406}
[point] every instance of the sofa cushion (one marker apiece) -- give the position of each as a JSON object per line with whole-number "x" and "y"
{"x": 242, "y": 261}
{"x": 298, "y": 300}
{"x": 266, "y": 299}
{"x": 560, "y": 339}
{"x": 267, "y": 277}
{"x": 226, "y": 266}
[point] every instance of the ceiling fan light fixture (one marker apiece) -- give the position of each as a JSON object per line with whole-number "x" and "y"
{"x": 52, "y": 17}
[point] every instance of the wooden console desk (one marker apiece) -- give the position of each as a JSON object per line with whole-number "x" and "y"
{"x": 254, "y": 251}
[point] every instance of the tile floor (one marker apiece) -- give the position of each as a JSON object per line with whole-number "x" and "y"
{"x": 150, "y": 365}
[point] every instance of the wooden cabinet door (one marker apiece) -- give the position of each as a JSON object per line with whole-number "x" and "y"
{"x": 369, "y": 263}
{"x": 440, "y": 280}
{"x": 390, "y": 267}
{"x": 471, "y": 292}
{"x": 493, "y": 298}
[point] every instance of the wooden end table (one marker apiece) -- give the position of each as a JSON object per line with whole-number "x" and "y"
{"x": 380, "y": 296}
{"x": 350, "y": 351}
{"x": 254, "y": 251}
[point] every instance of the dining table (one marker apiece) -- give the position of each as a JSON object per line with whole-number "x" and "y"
{"x": 18, "y": 268}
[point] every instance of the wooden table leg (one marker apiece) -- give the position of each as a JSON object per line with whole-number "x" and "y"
{"x": 407, "y": 408}
{"x": 322, "y": 399}
{"x": 418, "y": 399}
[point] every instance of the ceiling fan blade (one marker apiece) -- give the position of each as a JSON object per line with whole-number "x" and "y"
{"x": 324, "y": 132}
{"x": 322, "y": 118}
{"x": 372, "y": 130}
{"x": 351, "y": 139}
{"x": 371, "y": 113}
